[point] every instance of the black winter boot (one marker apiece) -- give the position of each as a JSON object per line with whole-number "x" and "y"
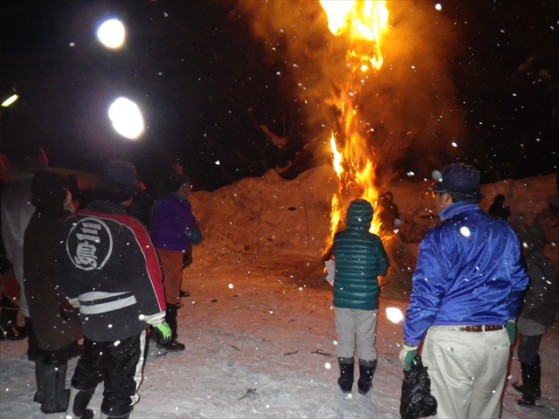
{"x": 171, "y": 319}
{"x": 54, "y": 397}
{"x": 125, "y": 416}
{"x": 530, "y": 387}
{"x": 366, "y": 373}
{"x": 77, "y": 405}
{"x": 346, "y": 374}
{"x": 32, "y": 345}
{"x": 39, "y": 373}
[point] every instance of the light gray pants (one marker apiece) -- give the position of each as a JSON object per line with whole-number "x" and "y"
{"x": 356, "y": 329}
{"x": 467, "y": 371}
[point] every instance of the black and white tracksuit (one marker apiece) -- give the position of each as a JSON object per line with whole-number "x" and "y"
{"x": 108, "y": 263}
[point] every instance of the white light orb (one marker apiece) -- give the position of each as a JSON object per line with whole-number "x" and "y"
{"x": 127, "y": 118}
{"x": 112, "y": 33}
{"x": 394, "y": 314}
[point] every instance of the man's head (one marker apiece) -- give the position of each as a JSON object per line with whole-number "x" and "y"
{"x": 118, "y": 182}
{"x": 178, "y": 184}
{"x": 460, "y": 181}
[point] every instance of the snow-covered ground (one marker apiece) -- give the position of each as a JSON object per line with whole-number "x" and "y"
{"x": 259, "y": 326}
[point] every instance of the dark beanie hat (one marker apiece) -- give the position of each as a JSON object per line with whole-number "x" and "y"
{"x": 118, "y": 181}
{"x": 48, "y": 191}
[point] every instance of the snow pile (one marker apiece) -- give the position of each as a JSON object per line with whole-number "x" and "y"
{"x": 259, "y": 326}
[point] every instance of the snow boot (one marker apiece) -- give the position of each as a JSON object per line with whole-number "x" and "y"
{"x": 32, "y": 345}
{"x": 39, "y": 373}
{"x": 346, "y": 374}
{"x": 366, "y": 373}
{"x": 105, "y": 416}
{"x": 77, "y": 405}
{"x": 530, "y": 387}
{"x": 50, "y": 386}
{"x": 171, "y": 318}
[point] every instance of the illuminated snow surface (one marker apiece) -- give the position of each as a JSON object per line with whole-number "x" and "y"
{"x": 259, "y": 327}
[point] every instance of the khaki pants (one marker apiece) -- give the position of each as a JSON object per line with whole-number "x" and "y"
{"x": 467, "y": 371}
{"x": 356, "y": 331}
{"x": 171, "y": 266}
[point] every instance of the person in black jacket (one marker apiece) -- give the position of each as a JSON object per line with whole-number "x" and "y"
{"x": 538, "y": 313}
{"x": 56, "y": 332}
{"x": 109, "y": 269}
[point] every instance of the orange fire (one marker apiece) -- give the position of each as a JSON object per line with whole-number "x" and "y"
{"x": 362, "y": 23}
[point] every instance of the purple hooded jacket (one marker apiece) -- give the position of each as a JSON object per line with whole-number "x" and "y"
{"x": 173, "y": 226}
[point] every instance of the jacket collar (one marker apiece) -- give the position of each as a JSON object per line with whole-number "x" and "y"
{"x": 458, "y": 208}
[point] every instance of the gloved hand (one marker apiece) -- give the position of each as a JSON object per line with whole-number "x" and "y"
{"x": 511, "y": 330}
{"x": 163, "y": 333}
{"x": 67, "y": 311}
{"x": 407, "y": 354}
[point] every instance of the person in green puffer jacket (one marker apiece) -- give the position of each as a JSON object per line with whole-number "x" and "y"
{"x": 359, "y": 258}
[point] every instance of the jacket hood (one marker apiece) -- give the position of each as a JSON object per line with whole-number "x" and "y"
{"x": 359, "y": 215}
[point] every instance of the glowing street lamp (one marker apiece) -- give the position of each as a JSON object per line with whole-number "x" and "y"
{"x": 112, "y": 33}
{"x": 126, "y": 118}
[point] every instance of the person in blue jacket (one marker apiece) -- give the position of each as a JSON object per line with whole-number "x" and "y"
{"x": 173, "y": 230}
{"x": 467, "y": 292}
{"x": 359, "y": 258}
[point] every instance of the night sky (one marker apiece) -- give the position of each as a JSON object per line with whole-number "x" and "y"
{"x": 210, "y": 74}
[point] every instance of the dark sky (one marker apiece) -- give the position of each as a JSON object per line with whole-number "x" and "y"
{"x": 206, "y": 84}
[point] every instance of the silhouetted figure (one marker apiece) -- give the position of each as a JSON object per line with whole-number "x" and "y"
{"x": 57, "y": 330}
{"x": 538, "y": 313}
{"x": 389, "y": 213}
{"x": 498, "y": 208}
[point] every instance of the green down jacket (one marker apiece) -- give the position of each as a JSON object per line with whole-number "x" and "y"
{"x": 360, "y": 257}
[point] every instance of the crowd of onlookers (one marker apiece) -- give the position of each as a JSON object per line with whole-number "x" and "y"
{"x": 91, "y": 272}
{"x": 96, "y": 272}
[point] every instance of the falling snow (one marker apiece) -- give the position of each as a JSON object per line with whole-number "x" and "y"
{"x": 259, "y": 325}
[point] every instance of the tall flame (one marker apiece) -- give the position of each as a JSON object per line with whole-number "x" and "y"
{"x": 362, "y": 23}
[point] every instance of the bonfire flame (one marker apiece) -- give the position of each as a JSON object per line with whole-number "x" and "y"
{"x": 362, "y": 23}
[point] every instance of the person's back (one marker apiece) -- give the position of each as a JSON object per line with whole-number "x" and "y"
{"x": 359, "y": 258}
{"x": 108, "y": 268}
{"x": 466, "y": 295}
{"x": 477, "y": 252}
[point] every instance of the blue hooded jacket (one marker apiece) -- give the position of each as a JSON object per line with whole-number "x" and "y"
{"x": 469, "y": 272}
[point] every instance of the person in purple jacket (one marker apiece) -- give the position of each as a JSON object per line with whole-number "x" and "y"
{"x": 173, "y": 229}
{"x": 467, "y": 291}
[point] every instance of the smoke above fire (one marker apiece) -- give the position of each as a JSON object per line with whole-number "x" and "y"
{"x": 408, "y": 109}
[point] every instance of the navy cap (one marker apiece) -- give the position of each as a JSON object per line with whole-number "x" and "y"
{"x": 458, "y": 178}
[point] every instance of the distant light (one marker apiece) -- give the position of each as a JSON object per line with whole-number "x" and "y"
{"x": 394, "y": 314}
{"x": 10, "y": 100}
{"x": 438, "y": 7}
{"x": 127, "y": 118}
{"x": 112, "y": 33}
{"x": 454, "y": 144}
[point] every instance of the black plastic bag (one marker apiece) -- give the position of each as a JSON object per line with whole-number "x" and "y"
{"x": 417, "y": 400}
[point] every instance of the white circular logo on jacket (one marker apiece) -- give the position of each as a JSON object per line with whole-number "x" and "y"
{"x": 90, "y": 244}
